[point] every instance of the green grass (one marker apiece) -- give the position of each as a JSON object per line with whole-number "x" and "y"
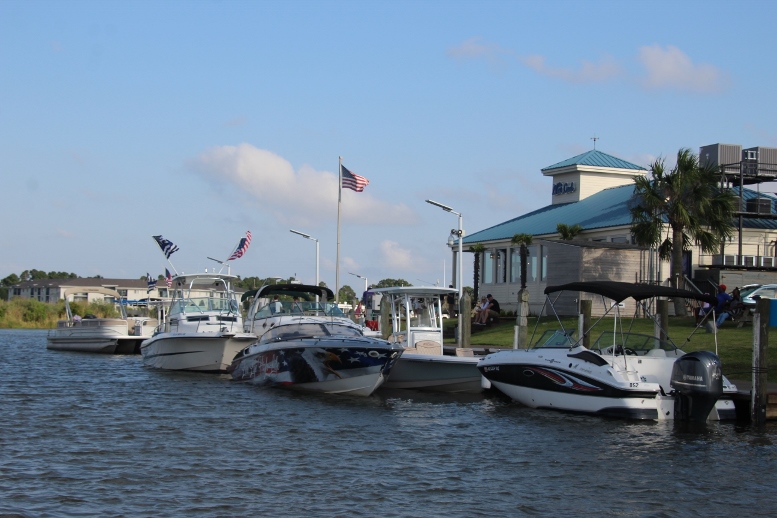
{"x": 734, "y": 345}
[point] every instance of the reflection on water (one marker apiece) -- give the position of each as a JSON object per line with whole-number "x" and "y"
{"x": 90, "y": 435}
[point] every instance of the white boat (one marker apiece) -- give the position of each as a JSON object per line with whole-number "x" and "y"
{"x": 416, "y": 321}
{"x": 122, "y": 335}
{"x": 203, "y": 329}
{"x": 622, "y": 374}
{"x": 309, "y": 344}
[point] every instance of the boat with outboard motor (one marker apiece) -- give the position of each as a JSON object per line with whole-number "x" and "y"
{"x": 203, "y": 329}
{"x": 621, "y": 374}
{"x": 121, "y": 335}
{"x": 305, "y": 342}
{"x": 416, "y": 320}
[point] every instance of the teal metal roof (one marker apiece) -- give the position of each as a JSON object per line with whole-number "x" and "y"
{"x": 607, "y": 208}
{"x": 595, "y": 158}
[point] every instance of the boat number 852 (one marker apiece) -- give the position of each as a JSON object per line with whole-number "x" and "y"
{"x": 634, "y": 385}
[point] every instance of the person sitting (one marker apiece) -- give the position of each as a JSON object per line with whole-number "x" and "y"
{"x": 478, "y": 309}
{"x": 296, "y": 307}
{"x": 703, "y": 310}
{"x": 490, "y": 311}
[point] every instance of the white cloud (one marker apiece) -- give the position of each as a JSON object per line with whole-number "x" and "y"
{"x": 588, "y": 72}
{"x": 394, "y": 257}
{"x": 475, "y": 48}
{"x": 670, "y": 67}
{"x": 302, "y": 197}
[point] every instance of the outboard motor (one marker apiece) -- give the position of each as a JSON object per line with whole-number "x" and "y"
{"x": 698, "y": 384}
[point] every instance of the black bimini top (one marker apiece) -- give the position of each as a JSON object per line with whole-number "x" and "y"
{"x": 620, "y": 291}
{"x": 304, "y": 291}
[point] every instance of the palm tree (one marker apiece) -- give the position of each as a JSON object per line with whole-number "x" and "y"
{"x": 568, "y": 232}
{"x": 477, "y": 249}
{"x": 524, "y": 240}
{"x": 690, "y": 202}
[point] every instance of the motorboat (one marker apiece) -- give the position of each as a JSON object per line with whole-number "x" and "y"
{"x": 305, "y": 342}
{"x": 88, "y": 333}
{"x": 416, "y": 322}
{"x": 203, "y": 328}
{"x": 620, "y": 374}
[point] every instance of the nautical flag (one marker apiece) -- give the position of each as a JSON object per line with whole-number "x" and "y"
{"x": 167, "y": 246}
{"x": 151, "y": 283}
{"x": 241, "y": 247}
{"x": 354, "y": 181}
{"x": 168, "y": 278}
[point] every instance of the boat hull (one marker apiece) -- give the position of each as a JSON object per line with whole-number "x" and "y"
{"x": 203, "y": 352}
{"x": 332, "y": 366}
{"x": 458, "y": 374}
{"x": 557, "y": 388}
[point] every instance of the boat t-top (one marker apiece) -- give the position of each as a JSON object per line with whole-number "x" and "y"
{"x": 203, "y": 329}
{"x": 417, "y": 325}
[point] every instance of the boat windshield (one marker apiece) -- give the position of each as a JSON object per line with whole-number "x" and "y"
{"x": 311, "y": 308}
{"x": 555, "y": 339}
{"x": 203, "y": 304}
{"x": 631, "y": 343}
{"x": 308, "y": 330}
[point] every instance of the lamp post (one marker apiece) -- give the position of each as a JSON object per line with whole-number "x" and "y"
{"x": 307, "y": 236}
{"x": 361, "y": 277}
{"x": 459, "y": 234}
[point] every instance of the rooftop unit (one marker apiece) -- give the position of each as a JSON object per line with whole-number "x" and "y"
{"x": 726, "y": 155}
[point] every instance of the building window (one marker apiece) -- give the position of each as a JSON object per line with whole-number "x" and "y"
{"x": 123, "y": 293}
{"x": 488, "y": 267}
{"x": 620, "y": 239}
{"x": 544, "y": 266}
{"x": 501, "y": 265}
{"x": 515, "y": 265}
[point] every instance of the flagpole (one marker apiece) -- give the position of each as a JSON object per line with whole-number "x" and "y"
{"x": 339, "y": 198}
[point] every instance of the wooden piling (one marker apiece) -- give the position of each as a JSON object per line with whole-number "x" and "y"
{"x": 465, "y": 309}
{"x": 759, "y": 396}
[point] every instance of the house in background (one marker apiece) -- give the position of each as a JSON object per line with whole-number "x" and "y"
{"x": 596, "y": 190}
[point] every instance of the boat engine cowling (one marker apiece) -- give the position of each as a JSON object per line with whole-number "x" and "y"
{"x": 697, "y": 381}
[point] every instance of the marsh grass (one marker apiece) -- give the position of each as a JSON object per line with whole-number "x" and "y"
{"x": 32, "y": 314}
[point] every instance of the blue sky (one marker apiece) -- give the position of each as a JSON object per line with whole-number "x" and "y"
{"x": 200, "y": 120}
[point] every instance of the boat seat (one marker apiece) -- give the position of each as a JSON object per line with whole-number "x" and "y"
{"x": 410, "y": 350}
{"x": 658, "y": 353}
{"x": 428, "y": 347}
{"x": 464, "y": 351}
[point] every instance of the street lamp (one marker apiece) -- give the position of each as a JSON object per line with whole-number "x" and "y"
{"x": 307, "y": 236}
{"x": 455, "y": 234}
{"x": 361, "y": 277}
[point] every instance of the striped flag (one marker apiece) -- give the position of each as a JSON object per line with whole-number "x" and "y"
{"x": 241, "y": 247}
{"x": 354, "y": 181}
{"x": 168, "y": 278}
{"x": 166, "y": 245}
{"x": 151, "y": 282}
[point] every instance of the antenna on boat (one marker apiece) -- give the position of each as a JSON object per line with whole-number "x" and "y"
{"x": 221, "y": 263}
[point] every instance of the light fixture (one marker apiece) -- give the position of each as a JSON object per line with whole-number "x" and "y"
{"x": 456, "y": 234}
{"x": 308, "y": 236}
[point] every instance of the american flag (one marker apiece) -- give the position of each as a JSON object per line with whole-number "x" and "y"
{"x": 354, "y": 181}
{"x": 167, "y": 246}
{"x": 242, "y": 247}
{"x": 151, "y": 283}
{"x": 168, "y": 278}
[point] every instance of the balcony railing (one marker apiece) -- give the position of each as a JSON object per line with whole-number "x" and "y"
{"x": 746, "y": 261}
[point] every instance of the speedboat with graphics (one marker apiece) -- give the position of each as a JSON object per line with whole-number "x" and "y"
{"x": 203, "y": 329}
{"x": 305, "y": 342}
{"x": 120, "y": 335}
{"x": 416, "y": 321}
{"x": 621, "y": 374}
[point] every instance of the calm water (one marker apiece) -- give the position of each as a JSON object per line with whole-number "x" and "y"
{"x": 89, "y": 435}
